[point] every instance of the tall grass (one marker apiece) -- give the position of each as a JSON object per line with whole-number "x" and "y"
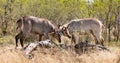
{"x": 54, "y": 55}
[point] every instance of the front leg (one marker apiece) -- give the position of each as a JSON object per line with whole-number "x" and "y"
{"x": 17, "y": 37}
{"x": 46, "y": 36}
{"x": 21, "y": 40}
{"x": 40, "y": 37}
{"x": 16, "y": 40}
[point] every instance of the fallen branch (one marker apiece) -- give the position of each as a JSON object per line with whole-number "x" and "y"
{"x": 80, "y": 47}
{"x": 85, "y": 46}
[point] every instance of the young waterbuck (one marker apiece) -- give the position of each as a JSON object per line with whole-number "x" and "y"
{"x": 90, "y": 25}
{"x": 33, "y": 25}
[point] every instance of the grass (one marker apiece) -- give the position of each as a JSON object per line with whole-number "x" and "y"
{"x": 54, "y": 55}
{"x": 113, "y": 44}
{"x": 7, "y": 39}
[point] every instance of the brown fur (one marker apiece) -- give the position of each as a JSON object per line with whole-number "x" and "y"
{"x": 91, "y": 25}
{"x": 33, "y": 25}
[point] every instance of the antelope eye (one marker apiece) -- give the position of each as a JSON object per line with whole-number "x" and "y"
{"x": 62, "y": 31}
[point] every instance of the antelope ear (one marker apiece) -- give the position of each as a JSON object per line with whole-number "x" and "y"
{"x": 65, "y": 28}
{"x": 58, "y": 26}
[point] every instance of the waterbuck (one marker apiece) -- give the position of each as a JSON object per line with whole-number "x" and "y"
{"x": 34, "y": 25}
{"x": 89, "y": 25}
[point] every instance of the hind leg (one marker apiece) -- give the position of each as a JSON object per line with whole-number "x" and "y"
{"x": 21, "y": 37}
{"x": 17, "y": 37}
{"x": 21, "y": 42}
{"x": 98, "y": 36}
{"x": 16, "y": 40}
{"x": 102, "y": 41}
{"x": 95, "y": 38}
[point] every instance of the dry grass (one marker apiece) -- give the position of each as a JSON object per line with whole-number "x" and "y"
{"x": 55, "y": 55}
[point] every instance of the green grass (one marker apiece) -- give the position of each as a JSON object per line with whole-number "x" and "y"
{"x": 7, "y": 39}
{"x": 113, "y": 43}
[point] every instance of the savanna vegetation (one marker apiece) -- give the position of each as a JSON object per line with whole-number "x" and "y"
{"x": 60, "y": 12}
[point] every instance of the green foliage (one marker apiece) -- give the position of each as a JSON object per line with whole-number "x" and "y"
{"x": 58, "y": 11}
{"x": 6, "y": 39}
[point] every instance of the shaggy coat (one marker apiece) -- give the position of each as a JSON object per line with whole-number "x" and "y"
{"x": 33, "y": 25}
{"x": 92, "y": 25}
